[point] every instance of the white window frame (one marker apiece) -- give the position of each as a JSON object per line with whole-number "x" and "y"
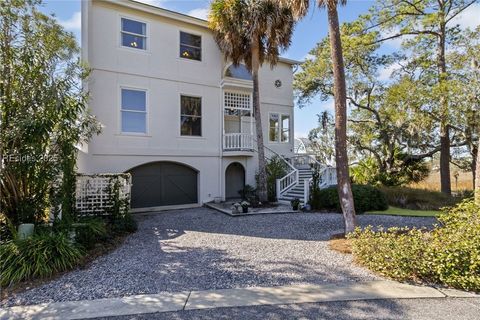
{"x": 180, "y": 43}
{"x": 146, "y": 36}
{"x": 280, "y": 127}
{"x": 181, "y": 115}
{"x": 120, "y": 129}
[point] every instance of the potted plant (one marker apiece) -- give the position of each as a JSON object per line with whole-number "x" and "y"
{"x": 236, "y": 208}
{"x": 245, "y": 206}
{"x": 295, "y": 203}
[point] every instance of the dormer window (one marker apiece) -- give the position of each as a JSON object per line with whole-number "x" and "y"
{"x": 190, "y": 46}
{"x": 134, "y": 34}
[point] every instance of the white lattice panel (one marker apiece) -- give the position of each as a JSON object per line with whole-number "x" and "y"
{"x": 236, "y": 100}
{"x": 93, "y": 195}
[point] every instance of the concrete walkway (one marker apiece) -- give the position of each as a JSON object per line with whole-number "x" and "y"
{"x": 240, "y": 297}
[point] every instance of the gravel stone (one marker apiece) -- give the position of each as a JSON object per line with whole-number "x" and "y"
{"x": 201, "y": 249}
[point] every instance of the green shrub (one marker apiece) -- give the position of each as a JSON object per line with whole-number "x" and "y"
{"x": 90, "y": 231}
{"x": 449, "y": 254}
{"x": 418, "y": 199}
{"x": 40, "y": 256}
{"x": 366, "y": 198}
{"x": 124, "y": 225}
{"x": 276, "y": 169}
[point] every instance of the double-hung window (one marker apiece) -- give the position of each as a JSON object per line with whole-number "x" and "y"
{"x": 134, "y": 111}
{"x": 279, "y": 128}
{"x": 285, "y": 137}
{"x": 134, "y": 34}
{"x": 190, "y": 46}
{"x": 191, "y": 116}
{"x": 273, "y": 127}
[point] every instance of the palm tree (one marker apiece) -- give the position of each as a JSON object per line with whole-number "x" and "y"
{"x": 300, "y": 9}
{"x": 252, "y": 31}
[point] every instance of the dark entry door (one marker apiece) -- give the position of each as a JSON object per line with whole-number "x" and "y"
{"x": 163, "y": 184}
{"x": 234, "y": 180}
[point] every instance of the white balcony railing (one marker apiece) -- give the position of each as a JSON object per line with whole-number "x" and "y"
{"x": 238, "y": 142}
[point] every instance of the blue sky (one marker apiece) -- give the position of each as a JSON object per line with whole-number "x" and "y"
{"x": 307, "y": 33}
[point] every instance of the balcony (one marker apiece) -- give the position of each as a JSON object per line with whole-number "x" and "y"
{"x": 238, "y": 144}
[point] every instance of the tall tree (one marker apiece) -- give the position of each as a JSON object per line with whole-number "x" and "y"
{"x": 252, "y": 31}
{"x": 43, "y": 112}
{"x": 300, "y": 9}
{"x": 465, "y": 99}
{"x": 427, "y": 27}
{"x": 476, "y": 66}
{"x": 385, "y": 130}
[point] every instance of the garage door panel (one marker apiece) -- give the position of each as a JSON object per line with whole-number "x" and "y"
{"x": 162, "y": 183}
{"x": 180, "y": 188}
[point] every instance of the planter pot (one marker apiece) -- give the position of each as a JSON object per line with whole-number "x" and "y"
{"x": 25, "y": 230}
{"x": 295, "y": 208}
{"x": 245, "y": 210}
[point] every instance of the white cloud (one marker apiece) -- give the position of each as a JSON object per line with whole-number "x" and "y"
{"x": 201, "y": 13}
{"x": 328, "y": 106}
{"x": 470, "y": 18}
{"x": 386, "y": 73}
{"x": 74, "y": 23}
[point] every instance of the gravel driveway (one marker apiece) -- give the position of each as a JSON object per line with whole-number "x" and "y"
{"x": 198, "y": 249}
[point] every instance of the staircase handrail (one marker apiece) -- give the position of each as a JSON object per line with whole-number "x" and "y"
{"x": 326, "y": 175}
{"x": 287, "y": 181}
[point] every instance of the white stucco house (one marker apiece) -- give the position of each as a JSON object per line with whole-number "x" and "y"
{"x": 174, "y": 113}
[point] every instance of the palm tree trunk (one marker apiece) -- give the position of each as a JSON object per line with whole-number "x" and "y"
{"x": 262, "y": 163}
{"x": 344, "y": 187}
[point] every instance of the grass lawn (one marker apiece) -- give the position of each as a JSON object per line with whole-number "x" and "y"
{"x": 393, "y": 211}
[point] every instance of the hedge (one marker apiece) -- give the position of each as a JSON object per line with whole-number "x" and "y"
{"x": 366, "y": 198}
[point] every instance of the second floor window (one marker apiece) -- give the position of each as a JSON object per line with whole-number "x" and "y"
{"x": 279, "y": 128}
{"x": 191, "y": 116}
{"x": 134, "y": 111}
{"x": 134, "y": 34}
{"x": 285, "y": 128}
{"x": 190, "y": 46}
{"x": 274, "y": 125}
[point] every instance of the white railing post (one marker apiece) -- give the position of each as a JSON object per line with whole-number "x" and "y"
{"x": 277, "y": 188}
{"x": 237, "y": 141}
{"x": 306, "y": 190}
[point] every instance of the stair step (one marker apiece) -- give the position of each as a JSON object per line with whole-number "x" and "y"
{"x": 293, "y": 194}
{"x": 297, "y": 187}
{"x": 290, "y": 199}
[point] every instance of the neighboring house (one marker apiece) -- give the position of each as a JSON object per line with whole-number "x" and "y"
{"x": 174, "y": 113}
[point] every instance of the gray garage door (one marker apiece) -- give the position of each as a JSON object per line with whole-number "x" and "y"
{"x": 163, "y": 184}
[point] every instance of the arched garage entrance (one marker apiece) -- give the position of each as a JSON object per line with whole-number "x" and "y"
{"x": 163, "y": 184}
{"x": 234, "y": 180}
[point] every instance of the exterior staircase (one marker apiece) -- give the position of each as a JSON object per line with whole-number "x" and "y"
{"x": 296, "y": 183}
{"x": 297, "y": 191}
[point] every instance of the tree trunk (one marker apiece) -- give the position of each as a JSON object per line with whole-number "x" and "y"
{"x": 477, "y": 177}
{"x": 343, "y": 178}
{"x": 262, "y": 162}
{"x": 445, "y": 183}
{"x": 473, "y": 165}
